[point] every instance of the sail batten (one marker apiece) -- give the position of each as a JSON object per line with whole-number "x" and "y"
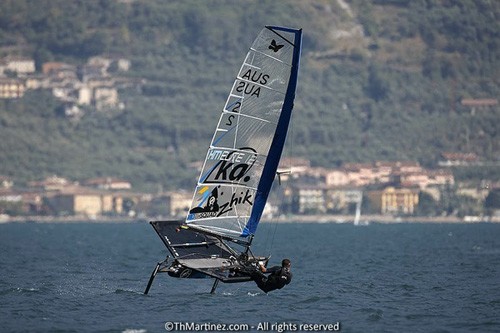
{"x": 259, "y": 85}
{"x": 253, "y": 117}
{"x": 235, "y": 186}
{"x": 266, "y": 55}
{"x": 235, "y": 149}
{"x": 242, "y": 158}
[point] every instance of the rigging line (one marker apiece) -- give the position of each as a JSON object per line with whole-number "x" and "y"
{"x": 270, "y": 235}
{"x": 273, "y": 236}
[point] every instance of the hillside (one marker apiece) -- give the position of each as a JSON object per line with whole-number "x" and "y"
{"x": 379, "y": 81}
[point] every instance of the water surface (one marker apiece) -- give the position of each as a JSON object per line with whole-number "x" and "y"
{"x": 77, "y": 277}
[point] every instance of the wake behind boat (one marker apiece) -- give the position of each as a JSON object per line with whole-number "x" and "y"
{"x": 240, "y": 166}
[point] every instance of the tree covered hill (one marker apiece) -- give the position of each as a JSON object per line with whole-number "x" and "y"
{"x": 379, "y": 80}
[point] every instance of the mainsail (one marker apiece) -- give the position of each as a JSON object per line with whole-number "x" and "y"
{"x": 241, "y": 162}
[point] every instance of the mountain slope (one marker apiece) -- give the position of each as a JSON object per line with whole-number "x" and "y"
{"x": 379, "y": 81}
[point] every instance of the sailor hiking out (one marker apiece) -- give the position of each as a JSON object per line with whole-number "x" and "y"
{"x": 278, "y": 276}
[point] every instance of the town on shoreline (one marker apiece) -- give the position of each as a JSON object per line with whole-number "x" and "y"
{"x": 382, "y": 192}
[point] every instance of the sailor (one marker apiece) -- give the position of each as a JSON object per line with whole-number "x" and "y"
{"x": 278, "y": 276}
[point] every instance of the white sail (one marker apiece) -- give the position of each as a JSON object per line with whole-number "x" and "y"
{"x": 258, "y": 106}
{"x": 358, "y": 210}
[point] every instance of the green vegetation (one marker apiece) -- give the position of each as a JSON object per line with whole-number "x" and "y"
{"x": 391, "y": 94}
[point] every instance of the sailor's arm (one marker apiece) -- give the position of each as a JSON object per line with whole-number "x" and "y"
{"x": 263, "y": 269}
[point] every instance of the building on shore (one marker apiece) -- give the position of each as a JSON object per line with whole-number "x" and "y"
{"x": 321, "y": 199}
{"x": 76, "y": 200}
{"x": 397, "y": 201}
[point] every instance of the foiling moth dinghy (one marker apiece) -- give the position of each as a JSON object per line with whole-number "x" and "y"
{"x": 240, "y": 166}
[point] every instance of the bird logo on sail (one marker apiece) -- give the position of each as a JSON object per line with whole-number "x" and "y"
{"x": 274, "y": 46}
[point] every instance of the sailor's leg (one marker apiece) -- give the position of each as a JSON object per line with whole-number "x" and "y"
{"x": 260, "y": 279}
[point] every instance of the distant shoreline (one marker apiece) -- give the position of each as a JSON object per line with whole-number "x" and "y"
{"x": 340, "y": 219}
{"x": 387, "y": 219}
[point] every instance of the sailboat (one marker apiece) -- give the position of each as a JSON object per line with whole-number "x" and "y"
{"x": 240, "y": 166}
{"x": 357, "y": 216}
{"x": 358, "y": 210}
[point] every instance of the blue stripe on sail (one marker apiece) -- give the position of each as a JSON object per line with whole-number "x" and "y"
{"x": 204, "y": 176}
{"x": 204, "y": 199}
{"x": 276, "y": 149}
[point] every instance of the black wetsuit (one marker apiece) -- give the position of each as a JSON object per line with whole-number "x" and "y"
{"x": 278, "y": 278}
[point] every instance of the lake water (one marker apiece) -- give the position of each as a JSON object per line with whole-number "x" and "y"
{"x": 90, "y": 277}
